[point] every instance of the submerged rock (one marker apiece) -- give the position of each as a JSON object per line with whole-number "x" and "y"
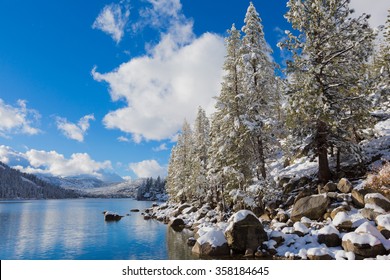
{"x": 108, "y": 216}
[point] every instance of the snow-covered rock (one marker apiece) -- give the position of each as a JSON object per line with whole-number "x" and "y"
{"x": 245, "y": 231}
{"x": 212, "y": 243}
{"x": 329, "y": 236}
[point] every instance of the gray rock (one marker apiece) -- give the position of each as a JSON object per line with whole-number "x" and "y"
{"x": 247, "y": 233}
{"x": 312, "y": 207}
{"x": 344, "y": 186}
{"x": 330, "y": 187}
{"x": 358, "y": 196}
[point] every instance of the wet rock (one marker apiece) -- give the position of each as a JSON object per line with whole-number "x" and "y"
{"x": 177, "y": 224}
{"x": 245, "y": 231}
{"x": 108, "y": 216}
{"x": 312, "y": 207}
{"x": 212, "y": 243}
{"x": 134, "y": 210}
{"x": 344, "y": 186}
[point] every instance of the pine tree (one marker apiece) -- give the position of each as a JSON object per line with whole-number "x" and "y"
{"x": 229, "y": 159}
{"x": 328, "y": 93}
{"x": 260, "y": 88}
{"x": 180, "y": 166}
{"x": 198, "y": 180}
{"x": 380, "y": 70}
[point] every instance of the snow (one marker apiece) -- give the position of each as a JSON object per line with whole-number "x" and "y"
{"x": 340, "y": 218}
{"x": 374, "y": 207}
{"x": 329, "y": 229}
{"x": 214, "y": 237}
{"x": 241, "y": 215}
{"x": 383, "y": 221}
{"x": 370, "y": 229}
{"x": 361, "y": 238}
{"x": 319, "y": 251}
{"x": 343, "y": 255}
{"x": 300, "y": 227}
{"x": 375, "y": 195}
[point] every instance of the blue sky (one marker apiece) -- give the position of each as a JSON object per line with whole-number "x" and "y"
{"x": 87, "y": 86}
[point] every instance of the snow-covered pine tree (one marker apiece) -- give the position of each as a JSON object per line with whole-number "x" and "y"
{"x": 230, "y": 164}
{"x": 328, "y": 93}
{"x": 380, "y": 70}
{"x": 260, "y": 93}
{"x": 180, "y": 166}
{"x": 198, "y": 180}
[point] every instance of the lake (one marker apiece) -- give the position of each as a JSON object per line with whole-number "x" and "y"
{"x": 75, "y": 230}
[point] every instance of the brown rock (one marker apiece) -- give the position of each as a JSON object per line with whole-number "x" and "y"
{"x": 312, "y": 207}
{"x": 207, "y": 250}
{"x": 344, "y": 186}
{"x": 245, "y": 233}
{"x": 378, "y": 199}
{"x": 330, "y": 240}
{"x": 330, "y": 187}
{"x": 177, "y": 224}
{"x": 320, "y": 257}
{"x": 358, "y": 196}
{"x": 363, "y": 250}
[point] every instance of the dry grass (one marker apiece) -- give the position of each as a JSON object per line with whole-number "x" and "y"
{"x": 381, "y": 180}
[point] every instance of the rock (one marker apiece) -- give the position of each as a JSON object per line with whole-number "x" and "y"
{"x": 343, "y": 208}
{"x": 177, "y": 224}
{"x": 302, "y": 194}
{"x": 358, "y": 196}
{"x": 108, "y": 216}
{"x": 287, "y": 188}
{"x": 342, "y": 222}
{"x": 344, "y": 186}
{"x": 377, "y": 199}
{"x": 366, "y": 241}
{"x": 249, "y": 253}
{"x": 300, "y": 229}
{"x": 383, "y": 224}
{"x": 245, "y": 231}
{"x": 363, "y": 249}
{"x": 313, "y": 207}
{"x": 319, "y": 254}
{"x": 134, "y": 210}
{"x": 154, "y": 204}
{"x": 212, "y": 243}
{"x": 330, "y": 187}
{"x": 182, "y": 207}
{"x": 282, "y": 217}
{"x": 191, "y": 241}
{"x": 385, "y": 233}
{"x": 329, "y": 236}
{"x": 147, "y": 217}
{"x": 369, "y": 214}
{"x": 189, "y": 210}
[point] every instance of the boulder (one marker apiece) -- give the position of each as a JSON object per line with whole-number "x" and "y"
{"x": 378, "y": 200}
{"x": 319, "y": 254}
{"x": 344, "y": 186}
{"x": 245, "y": 231}
{"x": 342, "y": 222}
{"x": 330, "y": 187}
{"x": 358, "y": 196}
{"x": 212, "y": 243}
{"x": 109, "y": 217}
{"x": 177, "y": 224}
{"x": 362, "y": 244}
{"x": 134, "y": 210}
{"x": 343, "y": 208}
{"x": 329, "y": 236}
{"x": 313, "y": 207}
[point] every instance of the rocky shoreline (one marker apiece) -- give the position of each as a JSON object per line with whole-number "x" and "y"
{"x": 336, "y": 221}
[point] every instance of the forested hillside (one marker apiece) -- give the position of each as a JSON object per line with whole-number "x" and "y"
{"x": 321, "y": 109}
{"x": 17, "y": 185}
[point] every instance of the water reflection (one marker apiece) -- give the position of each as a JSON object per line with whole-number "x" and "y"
{"x": 75, "y": 229}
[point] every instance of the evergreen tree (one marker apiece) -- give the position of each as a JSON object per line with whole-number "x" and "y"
{"x": 229, "y": 163}
{"x": 259, "y": 87}
{"x": 198, "y": 180}
{"x": 180, "y": 166}
{"x": 328, "y": 93}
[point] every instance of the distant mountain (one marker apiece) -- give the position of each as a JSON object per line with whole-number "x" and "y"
{"x": 18, "y": 185}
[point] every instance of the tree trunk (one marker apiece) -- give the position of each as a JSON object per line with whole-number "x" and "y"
{"x": 338, "y": 164}
{"x": 260, "y": 147}
{"x": 324, "y": 174}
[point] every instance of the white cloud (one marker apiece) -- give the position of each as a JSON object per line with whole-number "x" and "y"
{"x": 376, "y": 8}
{"x": 148, "y": 168}
{"x": 112, "y": 20}
{"x": 162, "y": 147}
{"x": 165, "y": 86}
{"x": 75, "y": 131}
{"x": 56, "y": 164}
{"x": 17, "y": 120}
{"x": 123, "y": 139}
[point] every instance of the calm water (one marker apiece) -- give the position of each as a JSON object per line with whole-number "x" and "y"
{"x": 75, "y": 229}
